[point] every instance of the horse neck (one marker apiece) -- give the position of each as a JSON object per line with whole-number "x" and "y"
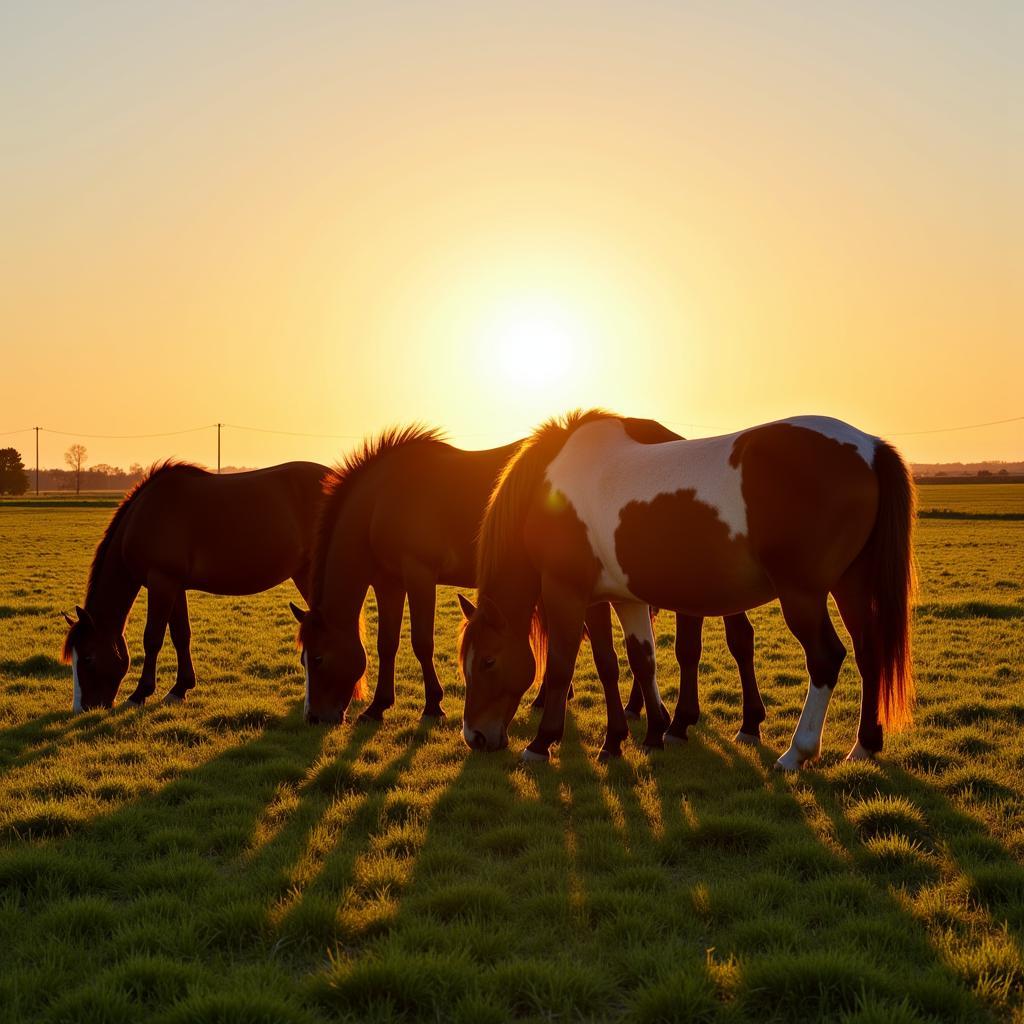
{"x": 112, "y": 593}
{"x": 514, "y": 586}
{"x": 348, "y": 568}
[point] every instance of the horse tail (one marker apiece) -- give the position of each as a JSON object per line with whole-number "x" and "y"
{"x": 892, "y": 582}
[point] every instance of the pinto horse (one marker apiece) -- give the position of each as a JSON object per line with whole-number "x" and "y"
{"x": 795, "y": 510}
{"x": 402, "y": 516}
{"x": 182, "y": 528}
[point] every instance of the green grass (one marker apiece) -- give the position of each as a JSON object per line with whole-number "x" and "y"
{"x": 222, "y": 861}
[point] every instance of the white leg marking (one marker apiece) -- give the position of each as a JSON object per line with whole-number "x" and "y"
{"x": 532, "y": 755}
{"x": 305, "y": 669}
{"x": 859, "y": 753}
{"x": 807, "y": 737}
{"x": 76, "y": 707}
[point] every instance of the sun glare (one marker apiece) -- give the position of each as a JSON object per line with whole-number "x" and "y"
{"x": 533, "y": 344}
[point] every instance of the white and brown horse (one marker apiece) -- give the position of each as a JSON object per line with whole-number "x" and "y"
{"x": 794, "y": 510}
{"x": 183, "y": 528}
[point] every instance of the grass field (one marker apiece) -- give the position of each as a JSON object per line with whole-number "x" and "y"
{"x": 221, "y": 861}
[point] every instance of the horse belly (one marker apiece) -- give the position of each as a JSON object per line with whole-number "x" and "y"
{"x": 675, "y": 552}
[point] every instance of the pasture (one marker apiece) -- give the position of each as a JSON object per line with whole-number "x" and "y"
{"x": 222, "y": 861}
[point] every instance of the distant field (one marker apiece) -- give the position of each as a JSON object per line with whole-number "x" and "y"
{"x": 997, "y": 498}
{"x": 221, "y": 861}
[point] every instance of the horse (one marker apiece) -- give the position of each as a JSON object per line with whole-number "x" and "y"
{"x": 402, "y": 516}
{"x": 795, "y": 510}
{"x": 183, "y": 528}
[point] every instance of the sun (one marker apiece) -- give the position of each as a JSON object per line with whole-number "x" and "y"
{"x": 533, "y": 343}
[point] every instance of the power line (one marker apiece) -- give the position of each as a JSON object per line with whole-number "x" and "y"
{"x": 358, "y": 437}
{"x": 946, "y": 430}
{"x": 127, "y": 437}
{"x": 293, "y": 433}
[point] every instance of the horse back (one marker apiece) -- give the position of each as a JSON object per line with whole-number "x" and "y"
{"x": 236, "y": 533}
{"x": 711, "y": 526}
{"x": 427, "y": 506}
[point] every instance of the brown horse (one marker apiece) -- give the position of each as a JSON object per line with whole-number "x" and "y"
{"x": 402, "y": 516}
{"x": 183, "y": 528}
{"x": 794, "y": 510}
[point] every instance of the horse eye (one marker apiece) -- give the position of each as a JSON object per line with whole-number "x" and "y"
{"x": 317, "y": 659}
{"x": 489, "y": 662}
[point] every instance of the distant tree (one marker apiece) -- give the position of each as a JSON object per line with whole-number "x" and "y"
{"x": 75, "y": 457}
{"x": 1004, "y": 472}
{"x": 13, "y": 478}
{"x": 984, "y": 472}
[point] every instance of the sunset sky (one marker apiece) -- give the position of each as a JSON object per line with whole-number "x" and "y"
{"x": 332, "y": 217}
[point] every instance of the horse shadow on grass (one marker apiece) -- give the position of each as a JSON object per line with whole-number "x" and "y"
{"x": 206, "y": 869}
{"x": 688, "y": 885}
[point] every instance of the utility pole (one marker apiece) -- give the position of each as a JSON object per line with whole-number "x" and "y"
{"x": 219, "y": 425}
{"x": 36, "y": 429}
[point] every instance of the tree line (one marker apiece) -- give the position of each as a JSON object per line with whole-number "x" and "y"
{"x": 15, "y": 478}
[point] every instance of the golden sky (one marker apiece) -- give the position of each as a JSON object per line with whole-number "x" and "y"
{"x": 331, "y": 217}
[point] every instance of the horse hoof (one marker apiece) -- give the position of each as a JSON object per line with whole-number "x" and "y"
{"x": 531, "y": 756}
{"x": 608, "y": 754}
{"x": 433, "y": 715}
{"x": 370, "y": 715}
{"x": 860, "y": 753}
{"x": 633, "y": 716}
{"x": 172, "y": 698}
{"x": 748, "y": 738}
{"x": 652, "y": 745}
{"x": 792, "y": 761}
{"x": 673, "y": 740}
{"x": 136, "y": 702}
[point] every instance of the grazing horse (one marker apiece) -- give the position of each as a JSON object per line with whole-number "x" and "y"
{"x": 402, "y": 516}
{"x": 795, "y": 510}
{"x": 182, "y": 528}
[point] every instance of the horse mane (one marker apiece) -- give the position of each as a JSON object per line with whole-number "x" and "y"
{"x": 157, "y": 469}
{"x": 342, "y": 478}
{"x": 507, "y": 507}
{"x": 517, "y": 484}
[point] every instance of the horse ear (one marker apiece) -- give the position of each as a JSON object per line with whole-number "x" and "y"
{"x": 492, "y": 613}
{"x": 83, "y": 615}
{"x": 297, "y": 611}
{"x": 467, "y": 606}
{"x": 67, "y": 618}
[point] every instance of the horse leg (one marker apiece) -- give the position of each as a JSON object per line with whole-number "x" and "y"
{"x": 163, "y": 594}
{"x": 421, "y": 584}
{"x": 538, "y": 701}
{"x": 808, "y": 619}
{"x": 635, "y": 702}
{"x": 542, "y": 692}
{"x": 688, "y": 649}
{"x": 599, "y": 627}
{"x": 639, "y": 632}
{"x": 854, "y": 602}
{"x": 390, "y": 604}
{"x": 565, "y": 614}
{"x": 181, "y": 637}
{"x": 739, "y": 635}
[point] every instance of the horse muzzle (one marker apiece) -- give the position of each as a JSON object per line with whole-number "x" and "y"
{"x": 323, "y": 718}
{"x": 477, "y": 740}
